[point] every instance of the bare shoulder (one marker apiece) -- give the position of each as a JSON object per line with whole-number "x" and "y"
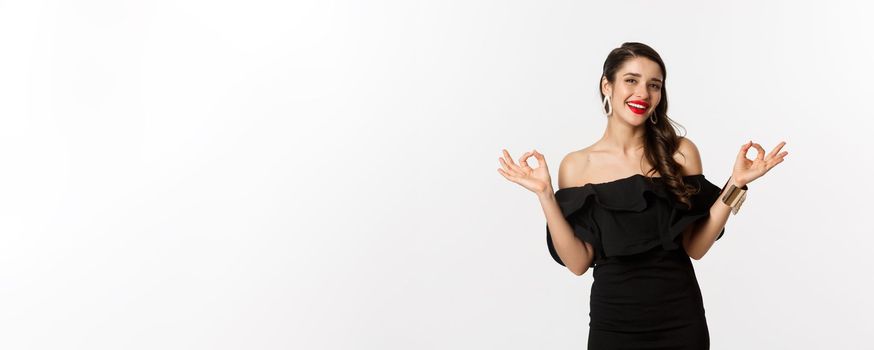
{"x": 688, "y": 157}
{"x": 572, "y": 171}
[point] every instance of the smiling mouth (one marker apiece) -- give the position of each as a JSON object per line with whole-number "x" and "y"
{"x": 637, "y": 107}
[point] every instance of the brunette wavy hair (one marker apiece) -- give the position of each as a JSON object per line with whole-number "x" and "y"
{"x": 660, "y": 140}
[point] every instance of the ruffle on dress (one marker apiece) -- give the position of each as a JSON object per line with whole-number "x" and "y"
{"x": 632, "y": 215}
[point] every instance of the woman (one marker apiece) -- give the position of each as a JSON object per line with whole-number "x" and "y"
{"x": 636, "y": 206}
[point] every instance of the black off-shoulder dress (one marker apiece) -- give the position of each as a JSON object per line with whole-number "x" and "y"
{"x": 645, "y": 294}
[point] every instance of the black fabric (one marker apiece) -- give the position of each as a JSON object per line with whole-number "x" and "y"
{"x": 644, "y": 294}
{"x": 638, "y": 212}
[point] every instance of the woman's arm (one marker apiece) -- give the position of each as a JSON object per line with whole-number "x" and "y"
{"x": 699, "y": 237}
{"x": 574, "y": 253}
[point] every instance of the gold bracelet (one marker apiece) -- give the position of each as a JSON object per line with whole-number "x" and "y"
{"x": 734, "y": 197}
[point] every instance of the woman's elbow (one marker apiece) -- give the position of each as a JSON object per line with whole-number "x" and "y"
{"x": 580, "y": 271}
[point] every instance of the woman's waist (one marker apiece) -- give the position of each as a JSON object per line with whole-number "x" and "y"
{"x": 655, "y": 255}
{"x": 657, "y": 272}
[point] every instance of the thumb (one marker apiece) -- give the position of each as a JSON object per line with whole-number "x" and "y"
{"x": 742, "y": 154}
{"x": 541, "y": 161}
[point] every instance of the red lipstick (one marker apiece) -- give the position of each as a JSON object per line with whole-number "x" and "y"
{"x": 637, "y": 109}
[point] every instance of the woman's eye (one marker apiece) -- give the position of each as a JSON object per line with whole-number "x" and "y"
{"x": 655, "y": 86}
{"x": 630, "y": 80}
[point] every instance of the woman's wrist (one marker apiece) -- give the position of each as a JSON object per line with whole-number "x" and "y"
{"x": 733, "y": 194}
{"x": 733, "y": 181}
{"x": 546, "y": 194}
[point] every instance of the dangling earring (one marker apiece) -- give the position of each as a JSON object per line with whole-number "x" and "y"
{"x": 607, "y": 104}
{"x": 653, "y": 115}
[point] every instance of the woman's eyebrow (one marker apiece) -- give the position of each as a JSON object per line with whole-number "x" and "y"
{"x": 638, "y": 75}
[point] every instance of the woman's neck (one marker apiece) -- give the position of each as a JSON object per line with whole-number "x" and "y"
{"x": 622, "y": 138}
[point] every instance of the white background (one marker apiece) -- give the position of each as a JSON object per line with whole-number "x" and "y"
{"x": 322, "y": 174}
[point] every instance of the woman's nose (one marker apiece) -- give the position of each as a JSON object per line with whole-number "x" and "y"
{"x": 642, "y": 93}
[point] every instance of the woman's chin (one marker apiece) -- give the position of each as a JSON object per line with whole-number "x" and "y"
{"x": 633, "y": 118}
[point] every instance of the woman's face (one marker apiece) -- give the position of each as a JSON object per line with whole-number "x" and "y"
{"x": 636, "y": 91}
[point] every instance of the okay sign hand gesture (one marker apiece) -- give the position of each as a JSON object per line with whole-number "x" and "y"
{"x": 746, "y": 170}
{"x": 536, "y": 180}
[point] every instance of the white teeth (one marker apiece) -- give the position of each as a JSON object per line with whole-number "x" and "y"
{"x": 635, "y": 105}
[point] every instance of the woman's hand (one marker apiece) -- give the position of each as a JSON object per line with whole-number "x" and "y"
{"x": 746, "y": 170}
{"x": 536, "y": 180}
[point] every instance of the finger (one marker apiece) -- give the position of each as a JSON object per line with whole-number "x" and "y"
{"x": 510, "y": 165}
{"x": 506, "y": 175}
{"x": 760, "y": 152}
{"x": 776, "y": 160}
{"x": 772, "y": 165}
{"x": 507, "y": 158}
{"x": 541, "y": 161}
{"x": 744, "y": 149}
{"x": 776, "y": 149}
{"x": 510, "y": 169}
{"x": 523, "y": 160}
